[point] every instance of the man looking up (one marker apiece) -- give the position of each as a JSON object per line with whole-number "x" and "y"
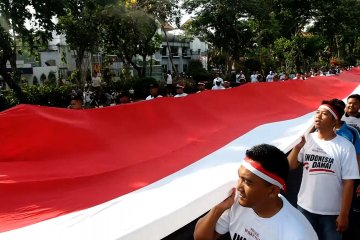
{"x": 330, "y": 167}
{"x": 258, "y": 211}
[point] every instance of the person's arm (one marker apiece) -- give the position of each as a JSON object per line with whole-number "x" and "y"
{"x": 205, "y": 227}
{"x": 342, "y": 220}
{"x": 293, "y": 155}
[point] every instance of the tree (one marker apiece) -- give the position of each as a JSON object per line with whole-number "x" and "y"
{"x": 227, "y": 25}
{"x": 13, "y": 15}
{"x": 129, "y": 32}
{"x": 164, "y": 11}
{"x": 338, "y": 22}
{"x": 80, "y": 24}
{"x": 197, "y": 71}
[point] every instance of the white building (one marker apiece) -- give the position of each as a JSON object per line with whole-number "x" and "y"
{"x": 60, "y": 60}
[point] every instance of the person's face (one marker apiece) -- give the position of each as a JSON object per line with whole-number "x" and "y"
{"x": 352, "y": 106}
{"x": 179, "y": 90}
{"x": 154, "y": 91}
{"x": 124, "y": 99}
{"x": 324, "y": 119}
{"x": 254, "y": 192}
{"x": 201, "y": 87}
{"x": 76, "y": 104}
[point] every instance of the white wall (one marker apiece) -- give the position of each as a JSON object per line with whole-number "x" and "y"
{"x": 38, "y": 71}
{"x": 46, "y": 56}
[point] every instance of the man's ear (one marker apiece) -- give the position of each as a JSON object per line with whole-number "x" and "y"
{"x": 274, "y": 191}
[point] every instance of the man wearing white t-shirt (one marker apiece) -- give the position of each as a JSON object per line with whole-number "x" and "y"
{"x": 218, "y": 79}
{"x": 269, "y": 77}
{"x": 180, "y": 91}
{"x": 253, "y": 77}
{"x": 154, "y": 91}
{"x": 352, "y": 115}
{"x": 330, "y": 167}
{"x": 258, "y": 211}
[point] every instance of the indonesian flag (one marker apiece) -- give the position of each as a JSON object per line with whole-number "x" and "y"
{"x": 143, "y": 170}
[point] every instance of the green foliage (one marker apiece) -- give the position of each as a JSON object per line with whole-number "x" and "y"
{"x": 8, "y": 99}
{"x": 48, "y": 95}
{"x": 273, "y": 32}
{"x": 250, "y": 65}
{"x": 13, "y": 16}
{"x": 129, "y": 32}
{"x": 196, "y": 70}
{"x": 80, "y": 24}
{"x": 74, "y": 77}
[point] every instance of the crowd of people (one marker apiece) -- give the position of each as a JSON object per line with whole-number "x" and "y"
{"x": 328, "y": 203}
{"x": 93, "y": 95}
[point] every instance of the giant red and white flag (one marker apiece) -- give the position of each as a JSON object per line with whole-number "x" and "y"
{"x": 142, "y": 170}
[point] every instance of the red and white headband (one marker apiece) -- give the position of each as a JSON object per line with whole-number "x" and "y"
{"x": 331, "y": 110}
{"x": 261, "y": 172}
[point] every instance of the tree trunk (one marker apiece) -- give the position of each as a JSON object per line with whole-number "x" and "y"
{"x": 168, "y": 47}
{"x": 11, "y": 81}
{"x": 79, "y": 64}
{"x": 135, "y": 66}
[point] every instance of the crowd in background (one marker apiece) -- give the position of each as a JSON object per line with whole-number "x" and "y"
{"x": 94, "y": 96}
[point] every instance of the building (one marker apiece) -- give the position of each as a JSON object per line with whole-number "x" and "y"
{"x": 59, "y": 60}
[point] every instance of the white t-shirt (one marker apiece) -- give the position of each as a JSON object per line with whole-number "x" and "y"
{"x": 151, "y": 97}
{"x": 269, "y": 78}
{"x": 216, "y": 87}
{"x": 218, "y": 79}
{"x": 87, "y": 96}
{"x": 244, "y": 223}
{"x": 181, "y": 95}
{"x": 253, "y": 78}
{"x": 96, "y": 81}
{"x": 169, "y": 79}
{"x": 352, "y": 121}
{"x": 326, "y": 164}
{"x": 240, "y": 77}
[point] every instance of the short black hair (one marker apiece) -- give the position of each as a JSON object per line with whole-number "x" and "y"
{"x": 76, "y": 97}
{"x": 271, "y": 159}
{"x": 337, "y": 104}
{"x": 356, "y": 96}
{"x": 153, "y": 85}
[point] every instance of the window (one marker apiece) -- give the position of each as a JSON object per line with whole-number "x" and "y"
{"x": 174, "y": 51}
{"x": 184, "y": 51}
{"x": 185, "y": 68}
{"x": 163, "y": 51}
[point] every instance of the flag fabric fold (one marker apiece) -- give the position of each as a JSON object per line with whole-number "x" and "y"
{"x": 144, "y": 169}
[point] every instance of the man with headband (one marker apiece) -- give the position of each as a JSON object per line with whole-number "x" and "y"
{"x": 258, "y": 211}
{"x": 330, "y": 167}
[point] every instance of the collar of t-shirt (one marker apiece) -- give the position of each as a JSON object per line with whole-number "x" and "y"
{"x": 357, "y": 116}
